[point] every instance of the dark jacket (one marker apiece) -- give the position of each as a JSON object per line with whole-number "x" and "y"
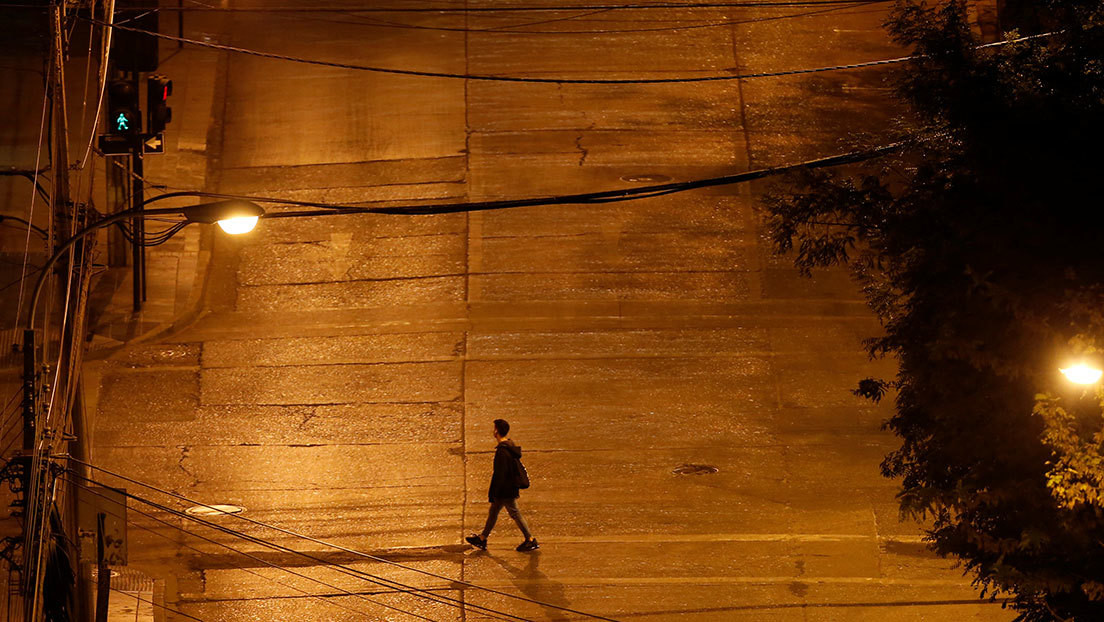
{"x": 504, "y": 478}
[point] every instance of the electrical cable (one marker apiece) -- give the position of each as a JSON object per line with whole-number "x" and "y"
{"x": 84, "y": 87}
{"x": 15, "y": 427}
{"x": 339, "y": 547}
{"x": 519, "y": 79}
{"x": 17, "y": 281}
{"x": 149, "y": 183}
{"x": 11, "y": 400}
{"x": 30, "y": 175}
{"x": 10, "y": 424}
{"x": 39, "y": 230}
{"x": 606, "y": 196}
{"x": 586, "y": 198}
{"x": 238, "y": 551}
{"x": 30, "y": 214}
{"x": 38, "y": 496}
{"x": 37, "y": 536}
{"x": 109, "y": 9}
{"x": 160, "y": 237}
{"x": 383, "y": 582}
{"x": 154, "y": 239}
{"x": 378, "y": 580}
{"x": 360, "y": 20}
{"x": 495, "y": 9}
{"x": 379, "y": 23}
{"x": 516, "y": 79}
{"x": 73, "y": 270}
{"x": 550, "y": 21}
{"x": 150, "y": 602}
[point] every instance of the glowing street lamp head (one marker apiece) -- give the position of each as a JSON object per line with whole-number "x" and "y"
{"x": 234, "y": 216}
{"x": 238, "y": 224}
{"x": 1082, "y": 374}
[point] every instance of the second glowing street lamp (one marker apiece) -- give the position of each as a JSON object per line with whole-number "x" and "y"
{"x": 1082, "y": 373}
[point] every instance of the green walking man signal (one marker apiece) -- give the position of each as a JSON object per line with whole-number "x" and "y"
{"x": 122, "y": 105}
{"x": 122, "y": 123}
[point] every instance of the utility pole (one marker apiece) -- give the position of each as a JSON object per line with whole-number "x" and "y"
{"x": 62, "y": 203}
{"x": 36, "y": 471}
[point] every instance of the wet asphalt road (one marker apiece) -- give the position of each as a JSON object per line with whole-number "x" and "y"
{"x": 343, "y": 379}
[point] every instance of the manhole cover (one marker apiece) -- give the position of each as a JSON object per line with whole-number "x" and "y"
{"x": 694, "y": 469}
{"x": 213, "y": 510}
{"x": 654, "y": 178}
{"x": 96, "y": 573}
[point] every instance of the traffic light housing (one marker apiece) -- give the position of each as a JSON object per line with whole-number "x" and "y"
{"x": 158, "y": 89}
{"x": 123, "y": 115}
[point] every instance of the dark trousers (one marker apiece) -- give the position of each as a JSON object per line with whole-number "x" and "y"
{"x": 512, "y": 510}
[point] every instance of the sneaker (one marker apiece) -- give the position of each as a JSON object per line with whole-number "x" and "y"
{"x": 528, "y": 545}
{"x": 478, "y": 542}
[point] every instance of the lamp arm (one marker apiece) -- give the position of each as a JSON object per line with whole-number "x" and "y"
{"x": 138, "y": 212}
{"x": 175, "y": 195}
{"x": 99, "y": 224}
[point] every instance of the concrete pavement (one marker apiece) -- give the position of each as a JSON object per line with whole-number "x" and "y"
{"x": 343, "y": 376}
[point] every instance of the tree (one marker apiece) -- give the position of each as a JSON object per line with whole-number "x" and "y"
{"x": 978, "y": 243}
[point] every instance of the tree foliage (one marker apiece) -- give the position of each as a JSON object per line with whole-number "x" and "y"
{"x": 979, "y": 246}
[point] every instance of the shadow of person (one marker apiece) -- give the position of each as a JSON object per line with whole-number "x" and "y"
{"x": 536, "y": 585}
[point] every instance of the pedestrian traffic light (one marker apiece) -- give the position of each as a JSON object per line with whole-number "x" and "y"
{"x": 123, "y": 114}
{"x": 158, "y": 89}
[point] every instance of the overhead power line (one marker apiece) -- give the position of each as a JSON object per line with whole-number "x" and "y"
{"x": 515, "y": 29}
{"x": 38, "y": 230}
{"x": 246, "y": 554}
{"x": 158, "y": 605}
{"x": 586, "y": 198}
{"x": 517, "y": 79}
{"x": 338, "y": 547}
{"x": 664, "y": 6}
{"x": 390, "y": 584}
{"x": 30, "y": 212}
{"x": 529, "y": 80}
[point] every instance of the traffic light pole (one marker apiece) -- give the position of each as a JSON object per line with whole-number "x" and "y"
{"x": 125, "y": 137}
{"x": 138, "y": 229}
{"x": 138, "y": 226}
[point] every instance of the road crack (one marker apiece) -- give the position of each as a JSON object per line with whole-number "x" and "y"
{"x": 184, "y": 449}
{"x": 307, "y": 419}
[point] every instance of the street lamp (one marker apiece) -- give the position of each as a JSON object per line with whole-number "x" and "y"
{"x": 1082, "y": 373}
{"x": 234, "y": 216}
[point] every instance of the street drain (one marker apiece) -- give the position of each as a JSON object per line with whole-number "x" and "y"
{"x": 214, "y": 510}
{"x": 654, "y": 178}
{"x": 694, "y": 469}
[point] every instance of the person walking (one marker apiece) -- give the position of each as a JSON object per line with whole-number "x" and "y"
{"x": 504, "y": 490}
